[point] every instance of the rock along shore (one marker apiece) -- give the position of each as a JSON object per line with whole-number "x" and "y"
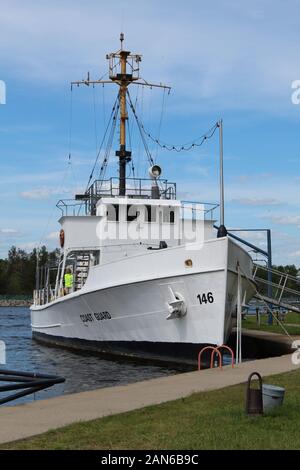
{"x": 15, "y": 303}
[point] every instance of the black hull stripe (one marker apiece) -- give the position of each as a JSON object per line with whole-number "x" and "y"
{"x": 162, "y": 352}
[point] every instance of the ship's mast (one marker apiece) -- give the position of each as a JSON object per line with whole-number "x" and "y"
{"x": 123, "y": 70}
{"x": 124, "y": 80}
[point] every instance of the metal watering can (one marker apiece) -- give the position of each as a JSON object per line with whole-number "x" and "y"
{"x": 254, "y": 397}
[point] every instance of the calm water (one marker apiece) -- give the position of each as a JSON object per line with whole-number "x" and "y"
{"x": 82, "y": 371}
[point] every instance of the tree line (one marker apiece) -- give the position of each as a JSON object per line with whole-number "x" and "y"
{"x": 18, "y": 270}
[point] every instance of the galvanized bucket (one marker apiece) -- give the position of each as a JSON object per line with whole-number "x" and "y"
{"x": 272, "y": 396}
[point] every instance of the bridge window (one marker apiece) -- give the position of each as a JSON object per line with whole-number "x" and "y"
{"x": 113, "y": 213}
{"x": 132, "y": 213}
{"x": 150, "y": 215}
{"x": 169, "y": 215}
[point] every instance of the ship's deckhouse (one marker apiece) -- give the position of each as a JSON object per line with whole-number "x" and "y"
{"x": 123, "y": 227}
{"x": 131, "y": 225}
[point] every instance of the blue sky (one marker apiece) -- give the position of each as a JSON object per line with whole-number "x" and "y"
{"x": 223, "y": 59}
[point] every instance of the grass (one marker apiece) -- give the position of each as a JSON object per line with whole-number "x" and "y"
{"x": 210, "y": 420}
{"x": 291, "y": 317}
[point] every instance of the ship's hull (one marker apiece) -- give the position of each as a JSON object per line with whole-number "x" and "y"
{"x": 131, "y": 318}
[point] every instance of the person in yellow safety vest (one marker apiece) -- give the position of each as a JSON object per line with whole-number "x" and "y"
{"x": 68, "y": 278}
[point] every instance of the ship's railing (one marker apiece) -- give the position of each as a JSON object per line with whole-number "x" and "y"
{"x": 50, "y": 277}
{"x": 73, "y": 207}
{"x": 198, "y": 210}
{"x": 45, "y": 295}
{"x": 277, "y": 288}
{"x": 135, "y": 187}
{"x": 142, "y": 188}
{"x": 190, "y": 209}
{"x": 47, "y": 277}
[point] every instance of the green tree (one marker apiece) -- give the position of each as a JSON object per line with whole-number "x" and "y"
{"x": 18, "y": 271}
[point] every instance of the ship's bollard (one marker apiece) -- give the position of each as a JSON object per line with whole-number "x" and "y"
{"x": 254, "y": 399}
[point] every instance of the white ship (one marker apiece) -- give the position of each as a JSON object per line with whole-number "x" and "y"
{"x": 152, "y": 277}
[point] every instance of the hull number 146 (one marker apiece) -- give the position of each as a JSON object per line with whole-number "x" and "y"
{"x": 206, "y": 298}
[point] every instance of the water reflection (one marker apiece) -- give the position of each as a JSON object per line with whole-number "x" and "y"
{"x": 81, "y": 370}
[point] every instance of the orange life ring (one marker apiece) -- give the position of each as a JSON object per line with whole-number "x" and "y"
{"x": 62, "y": 238}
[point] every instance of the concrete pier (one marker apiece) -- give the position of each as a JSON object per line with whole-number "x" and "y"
{"x": 263, "y": 344}
{"x": 35, "y": 418}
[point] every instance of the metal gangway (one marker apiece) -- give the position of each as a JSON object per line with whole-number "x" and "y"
{"x": 277, "y": 288}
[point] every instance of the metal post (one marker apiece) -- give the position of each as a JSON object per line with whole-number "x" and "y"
{"x": 37, "y": 270}
{"x": 238, "y": 359}
{"x": 269, "y": 250}
{"x": 237, "y": 323}
{"x": 221, "y": 173}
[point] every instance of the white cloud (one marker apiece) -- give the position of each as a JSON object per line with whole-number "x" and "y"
{"x": 55, "y": 41}
{"x": 21, "y": 129}
{"x": 9, "y": 231}
{"x": 286, "y": 219}
{"x": 258, "y": 236}
{"x": 52, "y": 236}
{"x": 259, "y": 192}
{"x": 28, "y": 246}
{"x": 10, "y": 177}
{"x": 44, "y": 193}
{"x": 295, "y": 254}
{"x": 256, "y": 201}
{"x": 36, "y": 194}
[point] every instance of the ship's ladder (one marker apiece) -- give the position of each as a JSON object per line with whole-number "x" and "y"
{"x": 277, "y": 288}
{"x": 81, "y": 269}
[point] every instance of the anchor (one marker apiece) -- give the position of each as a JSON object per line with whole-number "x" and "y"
{"x": 177, "y": 307}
